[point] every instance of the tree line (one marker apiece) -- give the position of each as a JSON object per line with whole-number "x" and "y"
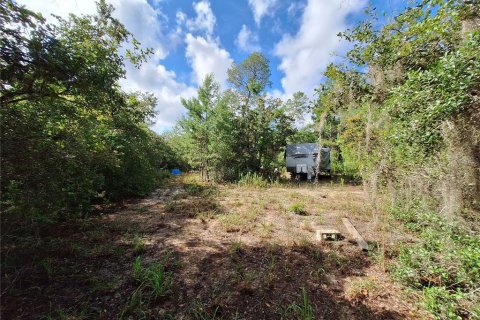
{"x": 240, "y": 130}
{"x": 70, "y": 136}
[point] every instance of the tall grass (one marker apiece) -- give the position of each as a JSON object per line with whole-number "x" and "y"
{"x": 252, "y": 180}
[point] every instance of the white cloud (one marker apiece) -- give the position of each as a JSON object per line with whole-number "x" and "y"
{"x": 205, "y": 19}
{"x": 59, "y": 7}
{"x": 162, "y": 83}
{"x": 145, "y": 22}
{"x": 247, "y": 40}
{"x": 306, "y": 54}
{"x": 206, "y": 56}
{"x": 261, "y": 8}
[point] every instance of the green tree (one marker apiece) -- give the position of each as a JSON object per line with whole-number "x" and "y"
{"x": 70, "y": 136}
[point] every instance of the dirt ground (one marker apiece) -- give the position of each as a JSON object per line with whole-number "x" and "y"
{"x": 229, "y": 252}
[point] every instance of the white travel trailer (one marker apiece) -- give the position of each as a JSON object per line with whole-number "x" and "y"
{"x": 301, "y": 160}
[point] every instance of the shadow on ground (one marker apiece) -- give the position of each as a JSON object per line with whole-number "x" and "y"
{"x": 82, "y": 269}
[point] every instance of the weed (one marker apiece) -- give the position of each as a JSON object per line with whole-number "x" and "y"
{"x": 138, "y": 244}
{"x": 236, "y": 247}
{"x": 360, "y": 288}
{"x": 304, "y": 310}
{"x": 200, "y": 312}
{"x": 136, "y": 306}
{"x": 252, "y": 180}
{"x": 334, "y": 261}
{"x": 137, "y": 268}
{"x": 207, "y": 215}
{"x": 298, "y": 208}
{"x": 442, "y": 303}
{"x": 444, "y": 263}
{"x": 119, "y": 251}
{"x": 101, "y": 286}
{"x": 154, "y": 277}
{"x": 238, "y": 221}
{"x": 266, "y": 229}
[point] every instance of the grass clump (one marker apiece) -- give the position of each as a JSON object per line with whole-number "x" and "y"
{"x": 252, "y": 180}
{"x": 298, "y": 208}
{"x": 444, "y": 264}
{"x": 303, "y": 310}
{"x": 153, "y": 277}
{"x": 360, "y": 289}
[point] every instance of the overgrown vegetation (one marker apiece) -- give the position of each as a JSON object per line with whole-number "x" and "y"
{"x": 407, "y": 127}
{"x": 400, "y": 112}
{"x": 70, "y": 136}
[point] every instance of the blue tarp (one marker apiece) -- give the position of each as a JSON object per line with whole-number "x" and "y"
{"x": 176, "y": 172}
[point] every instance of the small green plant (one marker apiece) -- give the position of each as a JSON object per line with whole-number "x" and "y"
{"x": 138, "y": 244}
{"x": 236, "y": 247}
{"x": 199, "y": 312}
{"x": 304, "y": 310}
{"x": 137, "y": 268}
{"x": 252, "y": 180}
{"x": 298, "y": 208}
{"x": 153, "y": 277}
{"x": 442, "y": 303}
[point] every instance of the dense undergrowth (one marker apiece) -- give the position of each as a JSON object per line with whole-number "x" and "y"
{"x": 409, "y": 127}
{"x": 444, "y": 263}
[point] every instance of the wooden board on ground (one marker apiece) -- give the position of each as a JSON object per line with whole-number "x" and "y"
{"x": 360, "y": 241}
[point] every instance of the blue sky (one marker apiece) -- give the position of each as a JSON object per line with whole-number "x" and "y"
{"x": 193, "y": 38}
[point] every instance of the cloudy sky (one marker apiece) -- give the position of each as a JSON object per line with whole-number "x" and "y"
{"x": 191, "y": 39}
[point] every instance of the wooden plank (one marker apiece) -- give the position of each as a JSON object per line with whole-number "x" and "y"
{"x": 361, "y": 243}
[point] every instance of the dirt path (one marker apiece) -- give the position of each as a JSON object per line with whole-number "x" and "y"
{"x": 230, "y": 252}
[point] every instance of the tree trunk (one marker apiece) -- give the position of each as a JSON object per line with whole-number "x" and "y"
{"x": 321, "y": 125}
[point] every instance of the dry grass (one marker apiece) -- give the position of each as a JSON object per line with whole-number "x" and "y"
{"x": 234, "y": 252}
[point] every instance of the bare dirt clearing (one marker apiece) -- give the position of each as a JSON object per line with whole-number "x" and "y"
{"x": 229, "y": 252}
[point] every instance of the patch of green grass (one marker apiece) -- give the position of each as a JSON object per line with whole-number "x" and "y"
{"x": 298, "y": 208}
{"x": 153, "y": 277}
{"x": 236, "y": 247}
{"x": 302, "y": 310}
{"x": 238, "y": 221}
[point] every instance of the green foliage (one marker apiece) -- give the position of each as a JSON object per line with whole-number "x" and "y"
{"x": 429, "y": 97}
{"x": 70, "y": 136}
{"x": 228, "y": 134}
{"x": 444, "y": 263}
{"x": 153, "y": 278}
{"x": 422, "y": 80}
